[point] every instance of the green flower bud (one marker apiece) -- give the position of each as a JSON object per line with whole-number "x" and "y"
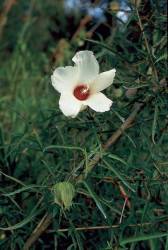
{"x": 118, "y": 92}
{"x": 64, "y": 193}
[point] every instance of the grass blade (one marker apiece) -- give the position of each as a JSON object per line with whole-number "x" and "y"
{"x": 95, "y": 198}
{"x": 118, "y": 175}
{"x": 143, "y": 238}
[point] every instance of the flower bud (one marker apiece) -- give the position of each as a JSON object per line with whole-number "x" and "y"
{"x": 64, "y": 193}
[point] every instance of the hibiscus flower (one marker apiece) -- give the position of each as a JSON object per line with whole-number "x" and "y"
{"x": 80, "y": 85}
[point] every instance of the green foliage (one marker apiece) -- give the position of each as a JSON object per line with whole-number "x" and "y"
{"x": 41, "y": 148}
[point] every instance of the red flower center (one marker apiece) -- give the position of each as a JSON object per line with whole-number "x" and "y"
{"x": 81, "y": 92}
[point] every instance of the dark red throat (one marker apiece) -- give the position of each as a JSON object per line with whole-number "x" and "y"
{"x": 81, "y": 92}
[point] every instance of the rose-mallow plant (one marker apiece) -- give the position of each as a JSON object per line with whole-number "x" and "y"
{"x": 81, "y": 85}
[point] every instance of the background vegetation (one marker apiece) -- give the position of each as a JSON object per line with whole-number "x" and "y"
{"x": 119, "y": 195}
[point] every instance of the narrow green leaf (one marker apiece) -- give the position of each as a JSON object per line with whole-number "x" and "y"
{"x": 117, "y": 158}
{"x": 166, "y": 245}
{"x": 95, "y": 198}
{"x": 154, "y": 124}
{"x": 13, "y": 179}
{"x": 63, "y": 147}
{"x": 162, "y": 57}
{"x": 118, "y": 175}
{"x": 70, "y": 148}
{"x": 143, "y": 238}
{"x": 29, "y": 218}
{"x": 32, "y": 187}
{"x": 101, "y": 44}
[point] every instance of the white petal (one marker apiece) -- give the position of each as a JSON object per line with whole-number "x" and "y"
{"x": 99, "y": 102}
{"x": 103, "y": 80}
{"x": 69, "y": 105}
{"x": 87, "y": 65}
{"x": 64, "y": 78}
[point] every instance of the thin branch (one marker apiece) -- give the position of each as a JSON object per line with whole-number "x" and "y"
{"x": 104, "y": 227}
{"x": 41, "y": 227}
{"x": 84, "y": 21}
{"x": 122, "y": 212}
{"x": 8, "y": 4}
{"x": 148, "y": 50}
{"x": 127, "y": 124}
{"x": 124, "y": 195}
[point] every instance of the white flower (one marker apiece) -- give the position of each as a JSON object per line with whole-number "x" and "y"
{"x": 80, "y": 85}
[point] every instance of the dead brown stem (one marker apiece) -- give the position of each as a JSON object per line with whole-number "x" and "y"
{"x": 41, "y": 227}
{"x": 100, "y": 227}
